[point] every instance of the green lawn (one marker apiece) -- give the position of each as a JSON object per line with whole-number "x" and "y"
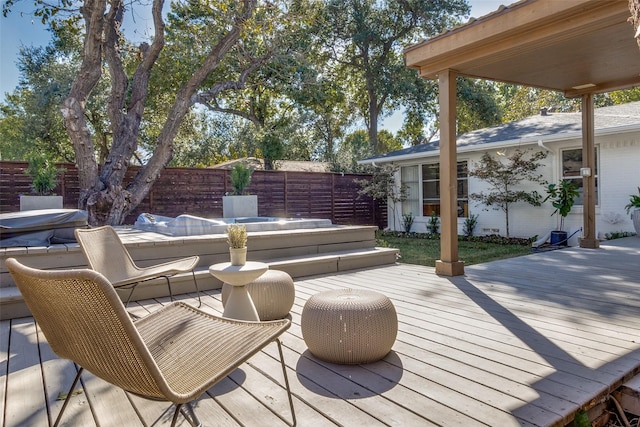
{"x": 416, "y": 249}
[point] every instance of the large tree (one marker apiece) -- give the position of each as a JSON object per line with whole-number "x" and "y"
{"x": 104, "y": 193}
{"x": 366, "y": 37}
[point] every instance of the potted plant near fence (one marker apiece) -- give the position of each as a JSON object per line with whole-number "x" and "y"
{"x": 634, "y": 203}
{"x": 239, "y": 204}
{"x": 44, "y": 180}
{"x": 562, "y": 198}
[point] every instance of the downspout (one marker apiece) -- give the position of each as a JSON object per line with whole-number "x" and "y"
{"x": 541, "y": 145}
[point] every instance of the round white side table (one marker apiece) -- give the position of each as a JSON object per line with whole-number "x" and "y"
{"x": 239, "y": 305}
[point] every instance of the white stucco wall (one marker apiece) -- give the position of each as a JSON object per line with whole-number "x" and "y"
{"x": 618, "y": 177}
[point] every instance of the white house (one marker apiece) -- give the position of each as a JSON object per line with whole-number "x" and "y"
{"x": 617, "y": 145}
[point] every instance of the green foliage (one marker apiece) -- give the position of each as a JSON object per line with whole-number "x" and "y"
{"x": 562, "y": 198}
{"x": 383, "y": 186}
{"x": 30, "y": 120}
{"x": 44, "y": 175}
{"x": 433, "y": 224}
{"x": 407, "y": 221}
{"x": 634, "y": 201}
{"x": 240, "y": 178}
{"x": 354, "y": 147}
{"x": 618, "y": 235}
{"x": 470, "y": 224}
{"x": 477, "y": 105}
{"x": 504, "y": 179}
{"x": 209, "y": 141}
{"x": 581, "y": 419}
{"x": 625, "y": 96}
{"x": 366, "y": 38}
{"x": 518, "y": 102}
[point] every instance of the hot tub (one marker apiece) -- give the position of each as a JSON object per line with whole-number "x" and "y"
{"x": 189, "y": 225}
{"x": 41, "y": 227}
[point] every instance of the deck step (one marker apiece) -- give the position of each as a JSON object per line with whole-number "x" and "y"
{"x": 12, "y": 304}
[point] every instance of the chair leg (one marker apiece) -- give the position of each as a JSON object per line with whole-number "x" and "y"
{"x": 126, "y": 304}
{"x": 286, "y": 382}
{"x": 192, "y": 418}
{"x": 69, "y": 394}
{"x": 195, "y": 282}
{"x": 175, "y": 414}
{"x": 169, "y": 286}
{"x": 196, "y": 422}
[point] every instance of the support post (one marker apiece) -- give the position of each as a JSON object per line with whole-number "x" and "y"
{"x": 448, "y": 264}
{"x": 589, "y": 238}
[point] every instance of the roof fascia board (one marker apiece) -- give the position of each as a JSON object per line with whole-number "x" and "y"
{"x": 533, "y": 140}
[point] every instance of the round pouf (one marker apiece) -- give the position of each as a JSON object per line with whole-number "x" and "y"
{"x": 349, "y": 326}
{"x": 272, "y": 293}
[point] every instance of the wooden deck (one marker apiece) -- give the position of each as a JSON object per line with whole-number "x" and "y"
{"x": 519, "y": 342}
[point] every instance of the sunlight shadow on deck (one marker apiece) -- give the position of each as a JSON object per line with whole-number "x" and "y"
{"x": 336, "y": 381}
{"x": 591, "y": 382}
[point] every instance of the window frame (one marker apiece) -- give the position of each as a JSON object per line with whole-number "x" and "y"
{"x": 432, "y": 181}
{"x": 574, "y": 173}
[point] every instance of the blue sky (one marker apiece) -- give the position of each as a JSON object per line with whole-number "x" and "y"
{"x": 21, "y": 29}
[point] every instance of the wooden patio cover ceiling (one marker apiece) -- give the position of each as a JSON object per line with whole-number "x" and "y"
{"x": 572, "y": 46}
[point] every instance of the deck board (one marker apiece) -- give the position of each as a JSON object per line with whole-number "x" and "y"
{"x": 518, "y": 342}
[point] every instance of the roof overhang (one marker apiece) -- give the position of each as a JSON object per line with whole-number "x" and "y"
{"x": 539, "y": 140}
{"x": 571, "y": 46}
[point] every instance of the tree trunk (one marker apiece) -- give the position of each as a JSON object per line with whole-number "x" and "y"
{"x": 634, "y": 8}
{"x": 104, "y": 194}
{"x": 373, "y": 123}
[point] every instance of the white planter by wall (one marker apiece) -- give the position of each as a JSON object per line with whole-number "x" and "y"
{"x": 239, "y": 206}
{"x": 30, "y": 203}
{"x": 635, "y": 217}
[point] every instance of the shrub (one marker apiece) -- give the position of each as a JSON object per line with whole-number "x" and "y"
{"x": 470, "y": 225}
{"x": 44, "y": 175}
{"x": 407, "y": 222}
{"x": 240, "y": 178}
{"x": 433, "y": 224}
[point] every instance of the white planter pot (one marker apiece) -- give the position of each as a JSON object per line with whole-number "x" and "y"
{"x": 238, "y": 256}
{"x": 635, "y": 217}
{"x": 239, "y": 206}
{"x": 31, "y": 203}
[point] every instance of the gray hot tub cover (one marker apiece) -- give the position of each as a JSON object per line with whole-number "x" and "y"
{"x": 41, "y": 227}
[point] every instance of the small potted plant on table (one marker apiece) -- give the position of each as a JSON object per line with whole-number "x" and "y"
{"x": 562, "y": 197}
{"x": 634, "y": 203}
{"x": 237, "y": 239}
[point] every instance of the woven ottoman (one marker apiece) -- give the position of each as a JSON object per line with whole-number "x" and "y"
{"x": 349, "y": 326}
{"x": 272, "y": 293}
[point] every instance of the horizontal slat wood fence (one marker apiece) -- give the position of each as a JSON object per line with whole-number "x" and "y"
{"x": 199, "y": 192}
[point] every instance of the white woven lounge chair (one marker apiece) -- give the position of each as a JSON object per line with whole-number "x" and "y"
{"x": 106, "y": 254}
{"x": 174, "y": 354}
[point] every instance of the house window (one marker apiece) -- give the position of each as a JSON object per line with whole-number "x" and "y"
{"x": 571, "y": 164}
{"x": 431, "y": 189}
{"x": 411, "y": 179}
